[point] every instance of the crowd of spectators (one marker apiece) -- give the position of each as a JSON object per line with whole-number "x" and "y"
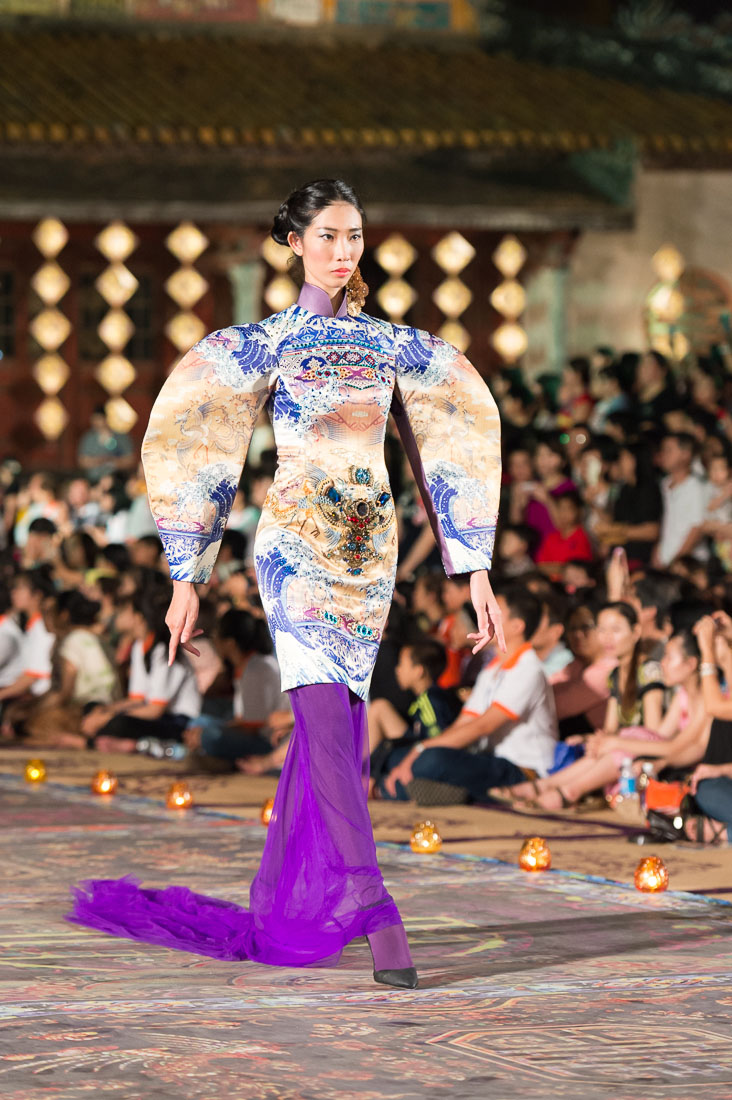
{"x": 613, "y": 571}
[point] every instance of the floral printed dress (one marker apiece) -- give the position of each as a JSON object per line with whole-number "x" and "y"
{"x": 325, "y": 550}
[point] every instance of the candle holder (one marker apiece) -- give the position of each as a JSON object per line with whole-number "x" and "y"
{"x": 104, "y": 783}
{"x": 535, "y": 855}
{"x": 651, "y": 875}
{"x": 425, "y": 838}
{"x": 179, "y": 797}
{"x": 35, "y": 772}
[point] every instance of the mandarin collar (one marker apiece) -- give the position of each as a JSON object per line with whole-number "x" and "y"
{"x": 316, "y": 300}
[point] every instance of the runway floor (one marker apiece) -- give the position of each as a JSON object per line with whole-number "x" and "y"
{"x": 550, "y": 985}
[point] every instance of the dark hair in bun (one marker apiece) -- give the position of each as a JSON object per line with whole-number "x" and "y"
{"x": 301, "y": 206}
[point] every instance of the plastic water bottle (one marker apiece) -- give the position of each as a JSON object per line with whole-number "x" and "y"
{"x": 648, "y": 772}
{"x": 627, "y": 787}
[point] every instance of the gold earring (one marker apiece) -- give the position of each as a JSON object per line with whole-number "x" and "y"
{"x": 356, "y": 291}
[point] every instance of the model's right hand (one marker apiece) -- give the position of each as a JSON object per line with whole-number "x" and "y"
{"x": 181, "y": 619}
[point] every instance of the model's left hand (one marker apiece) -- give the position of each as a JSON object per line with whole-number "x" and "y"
{"x": 490, "y": 624}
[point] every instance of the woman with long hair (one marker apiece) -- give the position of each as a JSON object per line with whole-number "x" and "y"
{"x": 325, "y": 555}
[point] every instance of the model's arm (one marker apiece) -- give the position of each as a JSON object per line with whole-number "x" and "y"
{"x": 450, "y": 428}
{"x": 193, "y": 453}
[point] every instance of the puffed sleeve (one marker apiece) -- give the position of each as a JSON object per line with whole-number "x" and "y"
{"x": 449, "y": 424}
{"x": 197, "y": 439}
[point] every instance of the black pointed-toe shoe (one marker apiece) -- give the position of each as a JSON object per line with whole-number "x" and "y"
{"x": 406, "y": 978}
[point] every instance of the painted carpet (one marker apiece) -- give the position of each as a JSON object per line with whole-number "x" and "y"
{"x": 531, "y": 986}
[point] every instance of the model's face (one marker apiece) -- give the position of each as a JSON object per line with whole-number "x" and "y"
{"x": 330, "y": 247}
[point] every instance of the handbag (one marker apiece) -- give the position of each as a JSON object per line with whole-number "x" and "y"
{"x": 666, "y": 798}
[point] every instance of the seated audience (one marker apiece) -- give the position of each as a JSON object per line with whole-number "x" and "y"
{"x": 634, "y": 710}
{"x": 391, "y": 737}
{"x": 261, "y": 710}
{"x": 570, "y": 541}
{"x": 161, "y": 699}
{"x": 506, "y": 729}
{"x": 83, "y": 677}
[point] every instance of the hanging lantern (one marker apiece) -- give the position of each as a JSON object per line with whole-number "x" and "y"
{"x": 266, "y": 814}
{"x": 104, "y": 782}
{"x": 452, "y": 297}
{"x": 667, "y": 303}
{"x": 50, "y": 236}
{"x": 179, "y": 797}
{"x": 50, "y": 328}
{"x": 116, "y": 285}
{"x": 396, "y": 297}
{"x": 395, "y": 255}
{"x": 35, "y": 772}
{"x": 425, "y": 838}
{"x": 668, "y": 263}
{"x": 115, "y": 373}
{"x": 280, "y": 293}
{"x": 456, "y": 334}
{"x": 121, "y": 417}
{"x": 651, "y": 875}
{"x": 510, "y": 257}
{"x": 510, "y": 341}
{"x": 535, "y": 855}
{"x": 452, "y": 253}
{"x": 50, "y": 283}
{"x": 51, "y": 373}
{"x": 51, "y": 417}
{"x": 115, "y": 242}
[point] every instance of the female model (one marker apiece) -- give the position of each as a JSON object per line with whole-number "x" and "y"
{"x": 325, "y": 556}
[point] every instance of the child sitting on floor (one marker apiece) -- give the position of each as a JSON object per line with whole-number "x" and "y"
{"x": 391, "y": 737}
{"x": 262, "y": 715}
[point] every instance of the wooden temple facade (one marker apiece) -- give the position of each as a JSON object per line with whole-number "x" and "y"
{"x": 140, "y": 166}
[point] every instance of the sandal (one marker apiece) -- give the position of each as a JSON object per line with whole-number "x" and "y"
{"x": 504, "y": 797}
{"x": 719, "y": 830}
{"x": 535, "y": 805}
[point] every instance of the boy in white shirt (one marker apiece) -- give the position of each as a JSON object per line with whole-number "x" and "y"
{"x": 507, "y": 727}
{"x": 11, "y": 642}
{"x": 28, "y": 592}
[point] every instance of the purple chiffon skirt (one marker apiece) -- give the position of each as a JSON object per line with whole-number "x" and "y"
{"x": 318, "y": 885}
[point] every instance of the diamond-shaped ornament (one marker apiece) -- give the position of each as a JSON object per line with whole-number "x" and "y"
{"x": 51, "y": 417}
{"x": 115, "y": 373}
{"x": 51, "y": 373}
{"x": 453, "y": 253}
{"x": 50, "y": 236}
{"x": 277, "y": 256}
{"x": 121, "y": 417}
{"x": 116, "y": 329}
{"x": 184, "y": 330}
{"x": 116, "y": 241}
{"x": 50, "y": 328}
{"x": 395, "y": 255}
{"x": 116, "y": 285}
{"x": 186, "y": 242}
{"x": 186, "y": 286}
{"x": 50, "y": 283}
{"x": 453, "y": 297}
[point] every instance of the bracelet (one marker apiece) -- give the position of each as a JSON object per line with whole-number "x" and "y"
{"x": 707, "y": 669}
{"x": 419, "y": 747}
